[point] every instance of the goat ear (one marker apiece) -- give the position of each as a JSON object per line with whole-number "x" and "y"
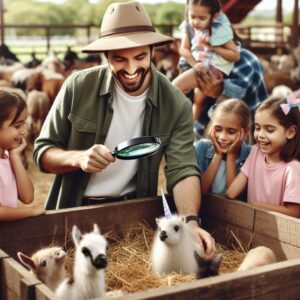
{"x": 200, "y": 261}
{"x": 76, "y": 234}
{"x": 96, "y": 229}
{"x": 26, "y": 261}
{"x": 157, "y": 221}
{"x": 217, "y": 261}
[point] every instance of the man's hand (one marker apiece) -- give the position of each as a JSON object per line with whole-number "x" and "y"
{"x": 95, "y": 159}
{"x": 209, "y": 85}
{"x": 205, "y": 240}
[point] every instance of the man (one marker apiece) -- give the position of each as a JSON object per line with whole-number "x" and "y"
{"x": 100, "y": 107}
{"x": 245, "y": 82}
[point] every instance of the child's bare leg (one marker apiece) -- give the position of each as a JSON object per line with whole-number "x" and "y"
{"x": 186, "y": 81}
{"x": 198, "y": 102}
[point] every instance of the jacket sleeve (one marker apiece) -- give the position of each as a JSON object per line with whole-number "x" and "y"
{"x": 180, "y": 153}
{"x": 56, "y": 128}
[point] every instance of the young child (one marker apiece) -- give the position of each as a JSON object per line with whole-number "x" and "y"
{"x": 207, "y": 45}
{"x": 221, "y": 157}
{"x": 14, "y": 182}
{"x": 272, "y": 170}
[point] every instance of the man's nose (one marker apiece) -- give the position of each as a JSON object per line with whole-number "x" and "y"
{"x": 131, "y": 67}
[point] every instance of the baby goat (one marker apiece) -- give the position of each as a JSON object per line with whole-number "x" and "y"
{"x": 47, "y": 264}
{"x": 89, "y": 262}
{"x": 257, "y": 257}
{"x": 173, "y": 247}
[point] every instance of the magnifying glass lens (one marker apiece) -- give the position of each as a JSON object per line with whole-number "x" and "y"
{"x": 140, "y": 150}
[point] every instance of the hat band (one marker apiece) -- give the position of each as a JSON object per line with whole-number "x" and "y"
{"x": 126, "y": 30}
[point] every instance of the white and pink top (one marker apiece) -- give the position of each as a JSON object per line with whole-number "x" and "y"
{"x": 8, "y": 185}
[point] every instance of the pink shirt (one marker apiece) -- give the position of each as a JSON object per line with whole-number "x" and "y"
{"x": 8, "y": 185}
{"x": 275, "y": 183}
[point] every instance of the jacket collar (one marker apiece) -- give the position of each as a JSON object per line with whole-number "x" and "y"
{"x": 107, "y": 85}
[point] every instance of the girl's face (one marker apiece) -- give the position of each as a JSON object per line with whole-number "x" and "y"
{"x": 199, "y": 16}
{"x": 11, "y": 134}
{"x": 270, "y": 135}
{"x": 226, "y": 127}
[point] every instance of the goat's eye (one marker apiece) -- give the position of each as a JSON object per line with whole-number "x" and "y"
{"x": 44, "y": 263}
{"x": 85, "y": 251}
{"x": 176, "y": 228}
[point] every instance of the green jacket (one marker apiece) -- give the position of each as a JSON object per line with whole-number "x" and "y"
{"x": 81, "y": 115}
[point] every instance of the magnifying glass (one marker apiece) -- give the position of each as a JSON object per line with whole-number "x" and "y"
{"x": 137, "y": 147}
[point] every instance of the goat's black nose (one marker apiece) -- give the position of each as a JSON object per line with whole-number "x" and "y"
{"x": 163, "y": 235}
{"x": 100, "y": 261}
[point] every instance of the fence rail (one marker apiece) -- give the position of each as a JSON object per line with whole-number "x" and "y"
{"x": 276, "y": 36}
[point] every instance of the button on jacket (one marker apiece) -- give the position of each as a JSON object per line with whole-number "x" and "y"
{"x": 81, "y": 116}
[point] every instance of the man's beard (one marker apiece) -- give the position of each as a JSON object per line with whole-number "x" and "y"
{"x": 130, "y": 88}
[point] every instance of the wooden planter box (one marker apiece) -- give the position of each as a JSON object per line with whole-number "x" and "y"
{"x": 220, "y": 216}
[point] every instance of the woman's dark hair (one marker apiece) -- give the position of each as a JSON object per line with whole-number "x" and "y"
{"x": 291, "y": 150}
{"x": 8, "y": 102}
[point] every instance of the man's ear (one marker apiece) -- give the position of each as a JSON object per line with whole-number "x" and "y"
{"x": 291, "y": 132}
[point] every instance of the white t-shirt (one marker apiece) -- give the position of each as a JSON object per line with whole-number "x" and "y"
{"x": 127, "y": 121}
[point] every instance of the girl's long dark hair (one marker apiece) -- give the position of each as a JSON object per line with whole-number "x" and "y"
{"x": 9, "y": 101}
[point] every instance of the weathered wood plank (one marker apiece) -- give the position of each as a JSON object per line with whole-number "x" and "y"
{"x": 231, "y": 211}
{"x": 278, "y": 226}
{"x": 12, "y": 275}
{"x": 42, "y": 292}
{"x": 54, "y": 226}
{"x": 267, "y": 282}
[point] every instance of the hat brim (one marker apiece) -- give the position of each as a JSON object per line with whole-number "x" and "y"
{"x": 126, "y": 41}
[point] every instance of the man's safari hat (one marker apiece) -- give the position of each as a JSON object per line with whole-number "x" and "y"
{"x": 126, "y": 25}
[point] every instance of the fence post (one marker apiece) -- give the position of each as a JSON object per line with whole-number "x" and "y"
{"x": 48, "y": 38}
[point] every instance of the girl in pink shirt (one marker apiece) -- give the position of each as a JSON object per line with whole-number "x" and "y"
{"x": 272, "y": 170}
{"x": 14, "y": 181}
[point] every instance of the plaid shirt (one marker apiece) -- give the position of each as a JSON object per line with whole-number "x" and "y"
{"x": 246, "y": 81}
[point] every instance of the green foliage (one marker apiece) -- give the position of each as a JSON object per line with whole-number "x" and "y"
{"x": 169, "y": 13}
{"x": 78, "y": 12}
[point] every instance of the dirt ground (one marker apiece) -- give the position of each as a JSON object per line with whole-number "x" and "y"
{"x": 43, "y": 181}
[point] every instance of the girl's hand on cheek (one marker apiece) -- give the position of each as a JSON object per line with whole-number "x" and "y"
{"x": 235, "y": 147}
{"x": 215, "y": 143}
{"x": 19, "y": 148}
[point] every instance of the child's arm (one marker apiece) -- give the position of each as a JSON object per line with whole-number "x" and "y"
{"x": 228, "y": 51}
{"x": 210, "y": 174}
{"x": 237, "y": 186}
{"x": 290, "y": 209}
{"x": 185, "y": 50}
{"x": 15, "y": 214}
{"x": 24, "y": 184}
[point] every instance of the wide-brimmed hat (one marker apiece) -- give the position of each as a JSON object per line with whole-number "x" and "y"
{"x": 126, "y": 25}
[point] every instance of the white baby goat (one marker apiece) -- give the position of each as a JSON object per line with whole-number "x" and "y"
{"x": 89, "y": 262}
{"x": 257, "y": 257}
{"x": 173, "y": 247}
{"x": 47, "y": 264}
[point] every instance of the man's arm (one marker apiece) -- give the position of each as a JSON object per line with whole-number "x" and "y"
{"x": 187, "y": 196}
{"x": 59, "y": 161}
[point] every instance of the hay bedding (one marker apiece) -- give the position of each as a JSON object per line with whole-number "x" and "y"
{"x": 129, "y": 266}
